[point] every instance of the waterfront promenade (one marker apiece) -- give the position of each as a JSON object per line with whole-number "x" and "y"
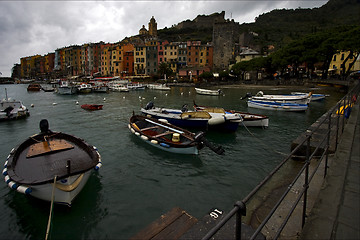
{"x": 336, "y": 212}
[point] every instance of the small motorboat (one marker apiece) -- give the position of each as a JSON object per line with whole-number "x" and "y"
{"x": 194, "y": 119}
{"x": 34, "y": 87}
{"x": 161, "y": 87}
{"x": 66, "y": 88}
{"x": 84, "y": 88}
{"x": 273, "y": 105}
{"x": 12, "y": 109}
{"x": 249, "y": 119}
{"x": 92, "y": 106}
{"x": 208, "y": 92}
{"x": 280, "y": 98}
{"x": 51, "y": 166}
{"x": 168, "y": 137}
{"x": 314, "y": 96}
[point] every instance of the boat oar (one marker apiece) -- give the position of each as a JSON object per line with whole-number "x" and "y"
{"x": 199, "y": 137}
{"x": 170, "y": 128}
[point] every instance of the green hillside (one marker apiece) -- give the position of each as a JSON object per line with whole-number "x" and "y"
{"x": 281, "y": 26}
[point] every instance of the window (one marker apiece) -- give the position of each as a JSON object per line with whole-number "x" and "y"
{"x": 342, "y": 56}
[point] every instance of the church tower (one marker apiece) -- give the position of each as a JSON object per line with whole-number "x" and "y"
{"x": 153, "y": 27}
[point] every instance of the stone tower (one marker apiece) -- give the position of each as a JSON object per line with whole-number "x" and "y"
{"x": 152, "y": 27}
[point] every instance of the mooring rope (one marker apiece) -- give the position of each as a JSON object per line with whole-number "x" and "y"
{"x": 51, "y": 209}
{"x": 264, "y": 144}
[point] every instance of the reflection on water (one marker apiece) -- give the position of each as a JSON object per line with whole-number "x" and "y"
{"x": 138, "y": 183}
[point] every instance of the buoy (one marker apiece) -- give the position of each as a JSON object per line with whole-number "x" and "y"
{"x": 123, "y": 97}
{"x": 166, "y": 94}
{"x": 54, "y": 104}
{"x": 32, "y": 105}
{"x": 216, "y": 121}
{"x": 154, "y": 97}
{"x": 77, "y": 103}
{"x": 104, "y": 99}
{"x": 182, "y": 93}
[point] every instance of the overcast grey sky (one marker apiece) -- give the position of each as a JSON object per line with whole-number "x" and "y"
{"x": 38, "y": 27}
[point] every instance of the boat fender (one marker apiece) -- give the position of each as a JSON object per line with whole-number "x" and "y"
{"x": 136, "y": 127}
{"x": 98, "y": 166}
{"x": 6, "y": 163}
{"x": 12, "y": 185}
{"x": 144, "y": 137}
{"x": 164, "y": 145}
{"x": 24, "y": 190}
{"x": 4, "y": 172}
{"x": 154, "y": 141}
{"x": 137, "y": 134}
{"x": 216, "y": 121}
{"x": 163, "y": 120}
{"x": 7, "y": 179}
{"x": 129, "y": 126}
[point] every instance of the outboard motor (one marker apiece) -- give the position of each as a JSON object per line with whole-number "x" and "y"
{"x": 200, "y": 138}
{"x": 248, "y": 95}
{"x": 184, "y": 108}
{"x": 149, "y": 105}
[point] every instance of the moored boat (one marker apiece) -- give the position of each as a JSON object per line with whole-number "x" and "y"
{"x": 208, "y": 92}
{"x": 12, "y": 109}
{"x": 34, "y": 87}
{"x": 51, "y": 165}
{"x": 248, "y": 119}
{"x": 66, "y": 88}
{"x": 194, "y": 119}
{"x": 161, "y": 87}
{"x": 92, "y": 106}
{"x": 280, "y": 98}
{"x": 168, "y": 137}
{"x": 135, "y": 86}
{"x": 84, "y": 88}
{"x": 314, "y": 96}
{"x": 273, "y": 105}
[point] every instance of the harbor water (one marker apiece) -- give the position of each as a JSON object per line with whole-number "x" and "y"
{"x": 138, "y": 183}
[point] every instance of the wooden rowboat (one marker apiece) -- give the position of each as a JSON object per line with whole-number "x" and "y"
{"x": 168, "y": 137}
{"x": 91, "y": 106}
{"x": 51, "y": 165}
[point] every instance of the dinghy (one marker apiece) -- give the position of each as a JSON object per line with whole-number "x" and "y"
{"x": 168, "y": 137}
{"x": 51, "y": 165}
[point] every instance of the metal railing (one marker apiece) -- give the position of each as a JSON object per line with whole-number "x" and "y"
{"x": 342, "y": 111}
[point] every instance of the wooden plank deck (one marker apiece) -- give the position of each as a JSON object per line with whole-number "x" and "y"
{"x": 171, "y": 225}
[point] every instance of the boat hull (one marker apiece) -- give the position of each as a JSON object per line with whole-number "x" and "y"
{"x": 72, "y": 184}
{"x": 161, "y": 135}
{"x": 290, "y": 107}
{"x": 67, "y": 90}
{"x": 32, "y": 166}
{"x": 208, "y": 92}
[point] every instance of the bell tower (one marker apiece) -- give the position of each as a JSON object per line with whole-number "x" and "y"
{"x": 152, "y": 27}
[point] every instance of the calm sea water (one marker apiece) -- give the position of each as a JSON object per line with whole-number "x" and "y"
{"x": 138, "y": 183}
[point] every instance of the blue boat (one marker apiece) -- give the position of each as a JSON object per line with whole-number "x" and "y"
{"x": 194, "y": 119}
{"x": 273, "y": 105}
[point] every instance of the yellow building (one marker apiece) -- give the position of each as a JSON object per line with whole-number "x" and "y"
{"x": 171, "y": 55}
{"x": 337, "y": 61}
{"x": 106, "y": 61}
{"x": 139, "y": 60}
